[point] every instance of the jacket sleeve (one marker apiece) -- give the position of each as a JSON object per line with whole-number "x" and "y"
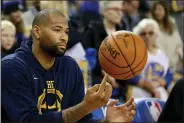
{"x": 18, "y": 100}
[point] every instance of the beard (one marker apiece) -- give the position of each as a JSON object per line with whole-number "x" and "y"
{"x": 52, "y": 50}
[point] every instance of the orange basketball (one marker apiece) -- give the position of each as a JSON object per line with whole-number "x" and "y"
{"x": 123, "y": 55}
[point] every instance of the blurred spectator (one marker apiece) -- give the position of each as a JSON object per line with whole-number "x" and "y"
{"x": 178, "y": 13}
{"x": 131, "y": 13}
{"x": 28, "y": 16}
{"x": 89, "y": 10}
{"x": 177, "y": 5}
{"x": 169, "y": 39}
{"x": 75, "y": 15}
{"x": 156, "y": 75}
{"x": 60, "y": 5}
{"x": 97, "y": 31}
{"x": 145, "y": 8}
{"x": 12, "y": 12}
{"x": 7, "y": 37}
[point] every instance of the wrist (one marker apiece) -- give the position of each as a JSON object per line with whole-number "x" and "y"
{"x": 75, "y": 113}
{"x": 86, "y": 107}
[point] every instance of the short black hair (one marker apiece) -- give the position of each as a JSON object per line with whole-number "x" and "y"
{"x": 43, "y": 16}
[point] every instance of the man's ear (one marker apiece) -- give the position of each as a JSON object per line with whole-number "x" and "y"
{"x": 36, "y": 31}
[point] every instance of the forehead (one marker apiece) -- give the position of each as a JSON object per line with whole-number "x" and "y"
{"x": 8, "y": 30}
{"x": 148, "y": 27}
{"x": 117, "y": 4}
{"x": 159, "y": 6}
{"x": 58, "y": 19}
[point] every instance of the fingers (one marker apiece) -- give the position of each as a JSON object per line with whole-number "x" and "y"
{"x": 130, "y": 115}
{"x": 102, "y": 85}
{"x": 108, "y": 92}
{"x": 130, "y": 119}
{"x": 132, "y": 107}
{"x": 128, "y": 106}
{"x": 112, "y": 103}
{"x": 93, "y": 88}
{"x": 130, "y": 101}
{"x": 133, "y": 112}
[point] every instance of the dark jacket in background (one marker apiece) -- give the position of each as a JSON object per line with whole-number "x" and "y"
{"x": 3, "y": 54}
{"x": 94, "y": 35}
{"x": 74, "y": 35}
{"x": 89, "y": 10}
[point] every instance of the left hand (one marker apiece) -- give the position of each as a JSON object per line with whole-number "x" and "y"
{"x": 122, "y": 113}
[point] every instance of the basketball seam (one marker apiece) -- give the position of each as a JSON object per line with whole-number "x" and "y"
{"x": 144, "y": 54}
{"x": 122, "y": 54}
{"x": 134, "y": 50}
{"x": 110, "y": 61}
{"x": 131, "y": 74}
{"x": 132, "y": 68}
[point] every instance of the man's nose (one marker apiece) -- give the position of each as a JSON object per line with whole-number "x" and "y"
{"x": 64, "y": 38}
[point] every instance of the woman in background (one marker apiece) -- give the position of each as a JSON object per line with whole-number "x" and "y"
{"x": 12, "y": 12}
{"x": 156, "y": 75}
{"x": 96, "y": 32}
{"x": 8, "y": 31}
{"x": 99, "y": 29}
{"x": 169, "y": 39}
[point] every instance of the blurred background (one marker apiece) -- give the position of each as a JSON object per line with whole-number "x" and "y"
{"x": 159, "y": 23}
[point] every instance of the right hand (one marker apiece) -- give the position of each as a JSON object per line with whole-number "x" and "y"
{"x": 98, "y": 95}
{"x": 113, "y": 82}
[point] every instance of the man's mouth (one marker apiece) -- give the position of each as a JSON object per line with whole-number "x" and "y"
{"x": 63, "y": 46}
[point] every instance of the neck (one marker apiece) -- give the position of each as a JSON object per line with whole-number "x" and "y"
{"x": 110, "y": 27}
{"x": 44, "y": 59}
{"x": 160, "y": 21}
{"x": 152, "y": 49}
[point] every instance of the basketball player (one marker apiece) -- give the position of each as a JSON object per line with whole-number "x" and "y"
{"x": 39, "y": 84}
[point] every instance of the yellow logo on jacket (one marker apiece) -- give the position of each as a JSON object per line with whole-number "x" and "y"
{"x": 50, "y": 90}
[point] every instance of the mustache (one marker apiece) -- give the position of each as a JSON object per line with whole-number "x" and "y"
{"x": 59, "y": 43}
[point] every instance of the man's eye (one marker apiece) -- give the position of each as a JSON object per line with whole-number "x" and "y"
{"x": 57, "y": 30}
{"x": 67, "y": 32}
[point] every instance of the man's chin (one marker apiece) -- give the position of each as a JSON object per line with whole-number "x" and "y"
{"x": 60, "y": 53}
